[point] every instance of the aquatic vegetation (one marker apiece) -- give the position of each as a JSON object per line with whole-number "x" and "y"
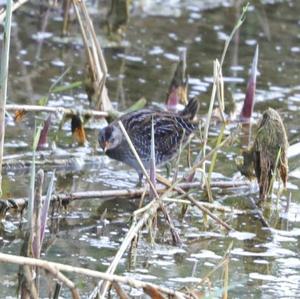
{"x": 195, "y": 231}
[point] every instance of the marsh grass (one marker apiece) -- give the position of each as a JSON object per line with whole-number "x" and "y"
{"x": 97, "y": 69}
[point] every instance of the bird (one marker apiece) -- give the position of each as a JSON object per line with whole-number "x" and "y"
{"x": 170, "y": 131}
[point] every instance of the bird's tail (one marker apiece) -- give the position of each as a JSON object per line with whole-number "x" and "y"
{"x": 191, "y": 109}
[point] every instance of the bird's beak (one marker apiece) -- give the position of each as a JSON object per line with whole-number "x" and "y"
{"x": 106, "y": 146}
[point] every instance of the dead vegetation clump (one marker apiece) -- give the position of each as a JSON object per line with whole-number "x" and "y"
{"x": 268, "y": 153}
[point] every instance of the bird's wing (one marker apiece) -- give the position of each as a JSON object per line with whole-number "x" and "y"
{"x": 169, "y": 131}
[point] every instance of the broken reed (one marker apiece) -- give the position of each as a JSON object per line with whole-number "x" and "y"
{"x": 97, "y": 69}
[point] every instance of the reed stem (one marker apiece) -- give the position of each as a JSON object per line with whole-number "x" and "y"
{"x": 3, "y": 79}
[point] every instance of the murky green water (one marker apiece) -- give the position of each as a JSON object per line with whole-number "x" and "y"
{"x": 263, "y": 263}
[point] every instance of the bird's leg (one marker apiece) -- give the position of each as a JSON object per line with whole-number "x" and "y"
{"x": 139, "y": 184}
{"x": 168, "y": 168}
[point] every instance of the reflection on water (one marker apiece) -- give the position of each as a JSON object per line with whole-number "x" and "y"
{"x": 263, "y": 263}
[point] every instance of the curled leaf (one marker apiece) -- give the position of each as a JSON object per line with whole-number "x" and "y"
{"x": 42, "y": 143}
{"x": 177, "y": 92}
{"x": 19, "y": 115}
{"x": 153, "y": 292}
{"x": 249, "y": 101}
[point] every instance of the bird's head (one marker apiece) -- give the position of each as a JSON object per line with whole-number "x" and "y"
{"x": 109, "y": 137}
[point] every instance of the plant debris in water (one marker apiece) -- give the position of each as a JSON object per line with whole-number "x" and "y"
{"x": 268, "y": 153}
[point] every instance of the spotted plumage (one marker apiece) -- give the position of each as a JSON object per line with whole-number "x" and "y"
{"x": 169, "y": 131}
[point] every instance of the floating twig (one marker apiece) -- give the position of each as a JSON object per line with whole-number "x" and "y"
{"x": 214, "y": 207}
{"x": 68, "y": 111}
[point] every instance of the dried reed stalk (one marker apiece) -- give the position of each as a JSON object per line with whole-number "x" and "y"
{"x": 3, "y": 80}
{"x": 67, "y": 111}
{"x": 218, "y": 89}
{"x": 96, "y": 61}
{"x": 58, "y": 268}
{"x": 196, "y": 203}
{"x": 36, "y": 227}
{"x": 135, "y": 228}
{"x": 53, "y": 268}
{"x": 15, "y": 5}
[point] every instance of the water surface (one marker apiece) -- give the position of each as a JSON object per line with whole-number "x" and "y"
{"x": 263, "y": 263}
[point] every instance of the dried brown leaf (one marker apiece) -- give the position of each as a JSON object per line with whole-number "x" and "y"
{"x": 19, "y": 115}
{"x": 78, "y": 130}
{"x": 153, "y": 293}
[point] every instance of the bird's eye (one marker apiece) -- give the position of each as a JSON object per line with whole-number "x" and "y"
{"x": 112, "y": 140}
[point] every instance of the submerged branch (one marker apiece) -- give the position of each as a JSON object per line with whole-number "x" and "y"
{"x": 20, "y": 203}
